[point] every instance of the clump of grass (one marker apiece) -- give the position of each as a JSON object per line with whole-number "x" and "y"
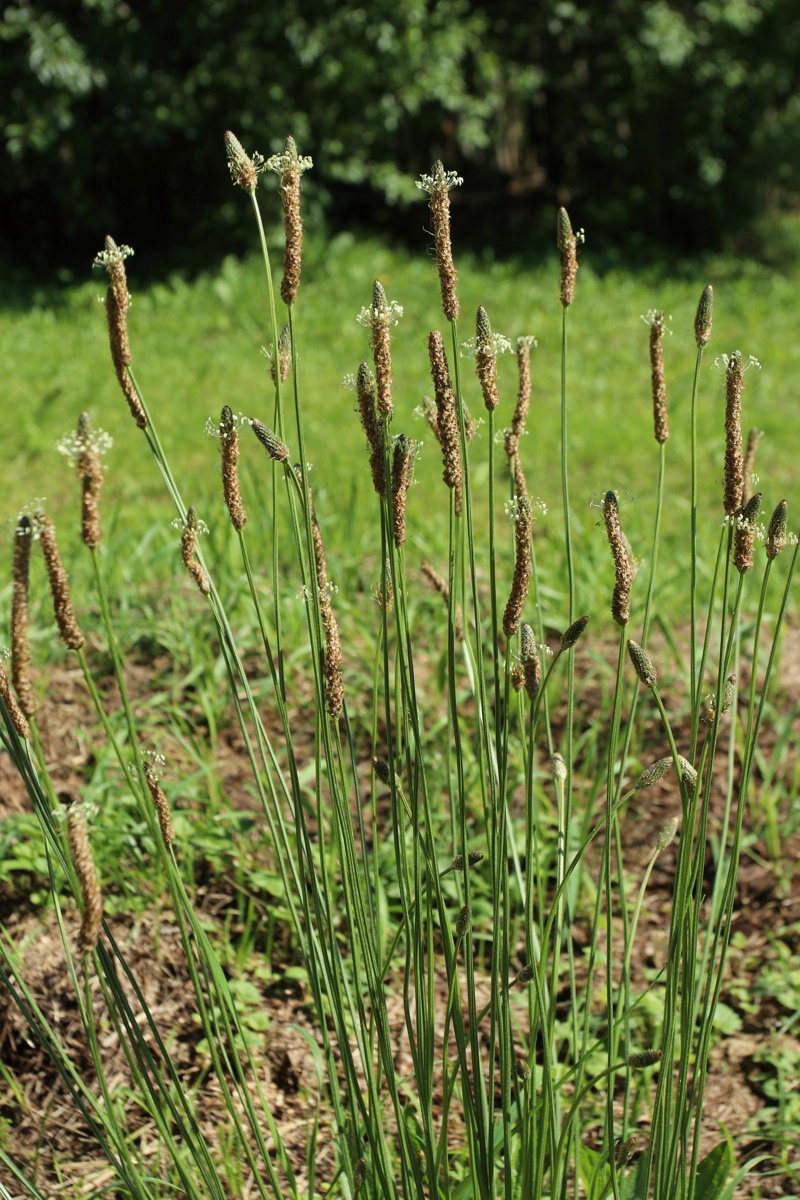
{"x": 528, "y": 1073}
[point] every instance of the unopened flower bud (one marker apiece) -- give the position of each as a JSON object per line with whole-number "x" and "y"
{"x": 642, "y": 664}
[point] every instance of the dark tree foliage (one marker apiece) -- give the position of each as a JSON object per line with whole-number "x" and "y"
{"x": 676, "y": 122}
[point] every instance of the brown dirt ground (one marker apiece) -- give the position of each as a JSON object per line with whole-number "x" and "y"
{"x": 47, "y": 1135}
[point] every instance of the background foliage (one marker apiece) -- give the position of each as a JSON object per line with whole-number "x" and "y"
{"x": 670, "y": 122}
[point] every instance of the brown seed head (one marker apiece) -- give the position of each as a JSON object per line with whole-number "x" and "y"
{"x": 486, "y": 360}
{"x": 660, "y": 422}
{"x": 441, "y": 586}
{"x": 59, "y": 585}
{"x": 332, "y": 658}
{"x": 438, "y": 185}
{"x": 159, "y": 800}
{"x": 229, "y": 446}
{"x": 402, "y": 478}
{"x": 621, "y": 599}
{"x": 473, "y": 858}
{"x": 20, "y": 650}
{"x": 517, "y": 427}
{"x": 642, "y": 664}
{"x": 91, "y": 477}
{"x": 283, "y": 358}
{"x": 745, "y": 535}
{"x": 91, "y": 896}
{"x": 117, "y": 300}
{"x": 523, "y": 526}
{"x": 734, "y": 461}
{"x": 289, "y": 166}
{"x": 191, "y": 529}
{"x": 644, "y": 1058}
{"x": 447, "y": 419}
{"x": 753, "y": 438}
{"x": 365, "y": 391}
{"x": 463, "y": 922}
{"x": 14, "y": 711}
{"x": 244, "y": 170}
{"x": 332, "y": 661}
{"x": 568, "y": 245}
{"x": 531, "y": 666}
{"x": 381, "y": 317}
{"x": 776, "y": 531}
{"x": 702, "y": 320}
{"x": 273, "y": 445}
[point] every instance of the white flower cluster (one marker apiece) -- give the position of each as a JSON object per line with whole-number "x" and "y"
{"x": 387, "y": 314}
{"x": 179, "y": 523}
{"x": 500, "y": 345}
{"x": 440, "y": 181}
{"x": 73, "y": 444}
{"x": 111, "y": 255}
{"x": 212, "y": 428}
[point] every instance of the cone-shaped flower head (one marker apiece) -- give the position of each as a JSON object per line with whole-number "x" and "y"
{"x": 289, "y": 166}
{"x": 567, "y": 243}
{"x": 438, "y": 186}
{"x": 642, "y": 664}
{"x": 776, "y": 531}
{"x": 702, "y": 319}
{"x": 244, "y": 170}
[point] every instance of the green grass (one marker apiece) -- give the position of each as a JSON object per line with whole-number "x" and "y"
{"x": 197, "y": 346}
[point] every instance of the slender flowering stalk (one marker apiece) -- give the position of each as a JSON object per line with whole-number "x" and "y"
{"x": 59, "y": 585}
{"x": 244, "y": 169}
{"x": 289, "y": 166}
{"x": 734, "y": 461}
{"x": 522, "y": 513}
{"x": 273, "y": 445}
{"x": 365, "y": 393}
{"x": 191, "y": 528}
{"x": 20, "y": 649}
{"x": 567, "y": 242}
{"x": 745, "y": 535}
{"x": 117, "y": 302}
{"x": 438, "y": 186}
{"x": 621, "y": 599}
{"x": 753, "y": 438}
{"x": 486, "y": 360}
{"x": 657, "y": 324}
{"x": 446, "y": 417}
{"x": 229, "y": 445}
{"x": 91, "y": 896}
{"x": 13, "y": 709}
{"x": 702, "y": 320}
